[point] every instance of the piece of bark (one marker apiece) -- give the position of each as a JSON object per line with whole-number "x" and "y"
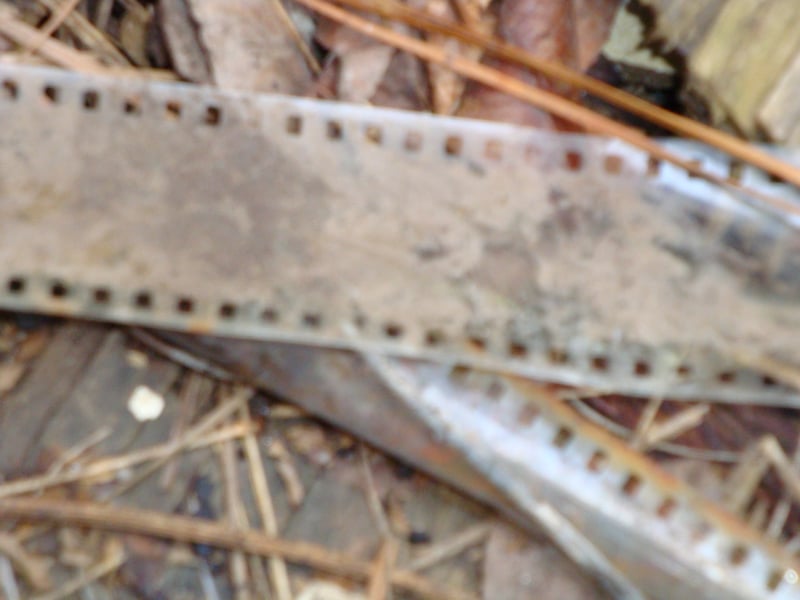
{"x": 736, "y": 78}
{"x": 779, "y": 116}
{"x": 681, "y": 24}
{"x": 26, "y": 411}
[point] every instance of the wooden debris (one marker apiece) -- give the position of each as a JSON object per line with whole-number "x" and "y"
{"x": 27, "y": 410}
{"x": 746, "y": 86}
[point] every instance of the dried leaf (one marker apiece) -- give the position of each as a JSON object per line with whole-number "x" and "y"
{"x": 362, "y": 61}
{"x": 250, "y": 46}
{"x": 543, "y": 28}
{"x": 593, "y": 21}
{"x": 361, "y": 72}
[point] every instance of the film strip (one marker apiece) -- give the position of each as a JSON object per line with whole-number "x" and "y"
{"x": 288, "y": 219}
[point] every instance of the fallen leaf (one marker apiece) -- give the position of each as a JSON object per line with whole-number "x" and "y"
{"x": 250, "y": 46}
{"x": 593, "y": 21}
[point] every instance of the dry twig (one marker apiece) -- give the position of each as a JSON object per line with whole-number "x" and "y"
{"x": 284, "y": 465}
{"x": 561, "y": 107}
{"x": 89, "y": 35}
{"x": 266, "y": 509}
{"x": 379, "y": 581}
{"x": 446, "y": 549}
{"x": 54, "y": 51}
{"x": 201, "y": 531}
{"x": 195, "y": 438}
{"x": 34, "y": 569}
{"x": 668, "y": 120}
{"x": 237, "y": 517}
{"x": 114, "y": 559}
{"x": 55, "y": 21}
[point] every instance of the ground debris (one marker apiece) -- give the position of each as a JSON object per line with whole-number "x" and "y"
{"x": 208, "y": 498}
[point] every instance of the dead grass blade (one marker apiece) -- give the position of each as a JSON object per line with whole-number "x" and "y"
{"x": 237, "y": 518}
{"x": 113, "y": 560}
{"x": 34, "y": 569}
{"x": 198, "y": 436}
{"x": 382, "y": 567}
{"x": 451, "y": 547}
{"x": 266, "y": 509}
{"x": 91, "y": 37}
{"x": 51, "y": 49}
{"x": 55, "y": 21}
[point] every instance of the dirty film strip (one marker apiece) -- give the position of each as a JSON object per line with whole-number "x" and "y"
{"x": 567, "y": 258}
{"x": 613, "y": 510}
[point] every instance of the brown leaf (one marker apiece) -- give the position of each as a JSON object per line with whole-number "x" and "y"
{"x": 593, "y": 21}
{"x": 569, "y": 32}
{"x": 545, "y": 29}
